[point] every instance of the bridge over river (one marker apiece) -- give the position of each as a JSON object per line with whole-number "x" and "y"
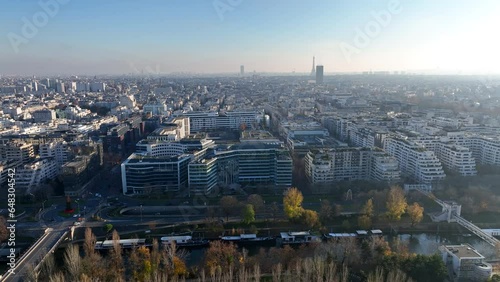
{"x": 451, "y": 213}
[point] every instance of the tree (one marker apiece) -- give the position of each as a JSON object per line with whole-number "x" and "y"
{"x": 416, "y": 213}
{"x": 396, "y": 203}
{"x": 274, "y": 210}
{"x": 326, "y": 211}
{"x": 4, "y": 233}
{"x": 248, "y": 214}
{"x": 72, "y": 262}
{"x": 108, "y": 227}
{"x": 310, "y": 218}
{"x": 292, "y": 203}
{"x": 256, "y": 201}
{"x": 222, "y": 255}
{"x": 364, "y": 222}
{"x": 228, "y": 204}
{"x": 368, "y": 208}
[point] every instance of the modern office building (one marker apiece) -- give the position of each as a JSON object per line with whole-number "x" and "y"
{"x": 146, "y": 174}
{"x": 242, "y": 70}
{"x": 250, "y": 163}
{"x": 319, "y": 74}
{"x": 415, "y": 161}
{"x": 232, "y": 120}
{"x": 60, "y": 87}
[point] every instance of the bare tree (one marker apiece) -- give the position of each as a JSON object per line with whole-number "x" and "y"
{"x": 72, "y": 262}
{"x": 116, "y": 260}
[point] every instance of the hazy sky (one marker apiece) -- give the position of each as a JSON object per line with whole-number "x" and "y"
{"x": 207, "y": 36}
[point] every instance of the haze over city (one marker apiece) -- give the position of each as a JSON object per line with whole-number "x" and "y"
{"x": 249, "y": 140}
{"x": 122, "y": 37}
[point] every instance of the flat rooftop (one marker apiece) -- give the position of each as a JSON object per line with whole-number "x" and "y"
{"x": 464, "y": 251}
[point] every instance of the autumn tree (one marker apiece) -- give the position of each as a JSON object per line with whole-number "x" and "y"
{"x": 248, "y": 214}
{"x": 140, "y": 263}
{"x": 396, "y": 203}
{"x": 292, "y": 203}
{"x": 416, "y": 213}
{"x": 364, "y": 222}
{"x": 367, "y": 209}
{"x": 92, "y": 263}
{"x": 223, "y": 256}
{"x": 228, "y": 204}
{"x": 310, "y": 218}
{"x": 116, "y": 260}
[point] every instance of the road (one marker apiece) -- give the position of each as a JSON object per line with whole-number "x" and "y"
{"x": 37, "y": 253}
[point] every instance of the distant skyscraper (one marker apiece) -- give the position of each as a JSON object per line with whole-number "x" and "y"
{"x": 60, "y": 87}
{"x": 313, "y": 72}
{"x": 319, "y": 74}
{"x": 242, "y": 70}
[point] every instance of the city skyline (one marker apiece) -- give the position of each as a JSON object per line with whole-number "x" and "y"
{"x": 70, "y": 37}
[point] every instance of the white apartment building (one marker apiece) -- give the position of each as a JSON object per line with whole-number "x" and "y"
{"x": 17, "y": 151}
{"x": 415, "y": 160}
{"x": 30, "y": 176}
{"x": 486, "y": 150}
{"x": 347, "y": 164}
{"x": 384, "y": 167}
{"x": 456, "y": 158}
{"x": 158, "y": 108}
{"x": 59, "y": 151}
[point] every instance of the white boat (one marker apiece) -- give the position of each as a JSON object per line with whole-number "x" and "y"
{"x": 246, "y": 238}
{"x": 183, "y": 241}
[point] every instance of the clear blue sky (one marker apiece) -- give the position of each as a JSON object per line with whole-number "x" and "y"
{"x": 111, "y": 36}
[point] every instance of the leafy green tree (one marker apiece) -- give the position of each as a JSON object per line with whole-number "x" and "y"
{"x": 396, "y": 203}
{"x": 108, "y": 227}
{"x": 248, "y": 214}
{"x": 292, "y": 203}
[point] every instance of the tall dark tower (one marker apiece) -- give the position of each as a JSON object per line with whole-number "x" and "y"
{"x": 313, "y": 72}
{"x": 319, "y": 74}
{"x": 242, "y": 70}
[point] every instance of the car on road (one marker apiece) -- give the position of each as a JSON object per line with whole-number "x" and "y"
{"x": 76, "y": 215}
